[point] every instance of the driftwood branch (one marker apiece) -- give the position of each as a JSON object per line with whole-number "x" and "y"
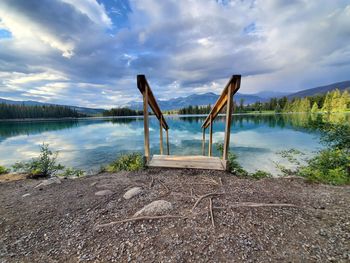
{"x": 211, "y": 212}
{"x": 249, "y": 204}
{"x": 138, "y": 219}
{"x": 204, "y": 196}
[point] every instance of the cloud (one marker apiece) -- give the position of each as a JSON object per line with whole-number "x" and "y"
{"x": 95, "y": 49}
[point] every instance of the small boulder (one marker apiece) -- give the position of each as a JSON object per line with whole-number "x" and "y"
{"x": 132, "y": 192}
{"x": 155, "y": 208}
{"x": 52, "y": 180}
{"x": 104, "y": 192}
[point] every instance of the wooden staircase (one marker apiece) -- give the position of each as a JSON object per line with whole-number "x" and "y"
{"x": 196, "y": 162}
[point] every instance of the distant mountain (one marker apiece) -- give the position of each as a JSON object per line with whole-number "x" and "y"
{"x": 196, "y": 99}
{"x": 321, "y": 90}
{"x": 88, "y": 111}
{"x": 270, "y": 94}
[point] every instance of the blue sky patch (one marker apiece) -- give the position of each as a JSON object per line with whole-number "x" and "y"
{"x": 5, "y": 33}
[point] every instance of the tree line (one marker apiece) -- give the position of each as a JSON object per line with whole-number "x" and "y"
{"x": 122, "y": 112}
{"x": 195, "y": 110}
{"x": 9, "y": 111}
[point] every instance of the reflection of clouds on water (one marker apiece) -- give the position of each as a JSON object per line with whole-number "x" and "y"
{"x": 89, "y": 144}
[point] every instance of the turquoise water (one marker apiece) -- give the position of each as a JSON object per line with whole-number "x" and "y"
{"x": 90, "y": 143}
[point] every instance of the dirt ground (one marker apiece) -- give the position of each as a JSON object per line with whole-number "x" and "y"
{"x": 59, "y": 222}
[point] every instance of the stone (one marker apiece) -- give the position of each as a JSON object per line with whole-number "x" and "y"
{"x": 132, "y": 192}
{"x": 158, "y": 207}
{"x": 52, "y": 180}
{"x": 104, "y": 192}
{"x": 25, "y": 195}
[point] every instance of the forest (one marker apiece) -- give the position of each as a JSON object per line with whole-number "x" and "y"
{"x": 121, "y": 112}
{"x": 334, "y": 101}
{"x": 8, "y": 111}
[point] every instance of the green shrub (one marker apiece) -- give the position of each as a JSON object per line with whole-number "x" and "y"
{"x": 72, "y": 172}
{"x": 331, "y": 166}
{"x": 127, "y": 162}
{"x": 43, "y": 166}
{"x": 259, "y": 174}
{"x": 3, "y": 170}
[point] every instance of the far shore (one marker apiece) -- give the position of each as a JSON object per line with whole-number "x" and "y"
{"x": 169, "y": 115}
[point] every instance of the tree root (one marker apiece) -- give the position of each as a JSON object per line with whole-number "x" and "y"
{"x": 211, "y": 212}
{"x": 249, "y": 204}
{"x": 202, "y": 197}
{"x": 138, "y": 219}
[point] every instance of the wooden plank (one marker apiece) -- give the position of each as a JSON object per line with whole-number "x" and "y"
{"x": 197, "y": 162}
{"x": 203, "y": 142}
{"x": 146, "y": 124}
{"x": 222, "y": 100}
{"x": 161, "y": 135}
{"x": 210, "y": 152}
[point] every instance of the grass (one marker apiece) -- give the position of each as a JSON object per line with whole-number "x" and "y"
{"x": 3, "y": 170}
{"x": 127, "y": 162}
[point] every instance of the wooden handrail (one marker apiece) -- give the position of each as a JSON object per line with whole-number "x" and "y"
{"x": 149, "y": 99}
{"x": 225, "y": 99}
{"x": 222, "y": 100}
{"x": 142, "y": 84}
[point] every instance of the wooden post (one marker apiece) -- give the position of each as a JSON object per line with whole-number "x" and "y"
{"x": 167, "y": 141}
{"x": 161, "y": 135}
{"x": 203, "y": 142}
{"x": 228, "y": 119}
{"x": 210, "y": 137}
{"x": 145, "y": 122}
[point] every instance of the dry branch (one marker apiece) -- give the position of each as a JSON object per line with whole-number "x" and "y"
{"x": 138, "y": 219}
{"x": 202, "y": 197}
{"x": 211, "y": 212}
{"x": 249, "y": 204}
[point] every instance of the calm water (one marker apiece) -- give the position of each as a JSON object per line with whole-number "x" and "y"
{"x": 90, "y": 143}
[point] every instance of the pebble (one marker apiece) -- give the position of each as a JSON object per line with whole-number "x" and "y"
{"x": 104, "y": 192}
{"x": 132, "y": 192}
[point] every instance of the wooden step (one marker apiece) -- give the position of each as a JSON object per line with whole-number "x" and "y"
{"x": 195, "y": 162}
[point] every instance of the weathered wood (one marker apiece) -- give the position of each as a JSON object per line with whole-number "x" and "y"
{"x": 228, "y": 120}
{"x": 210, "y": 152}
{"x": 161, "y": 134}
{"x": 142, "y": 84}
{"x": 146, "y": 124}
{"x": 203, "y": 142}
{"x": 197, "y": 162}
{"x": 222, "y": 100}
{"x": 167, "y": 142}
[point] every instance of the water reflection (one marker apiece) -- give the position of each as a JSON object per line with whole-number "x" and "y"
{"x": 90, "y": 143}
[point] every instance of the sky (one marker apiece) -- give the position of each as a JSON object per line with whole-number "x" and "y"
{"x": 88, "y": 52}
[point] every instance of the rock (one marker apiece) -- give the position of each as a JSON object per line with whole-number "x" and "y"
{"x": 155, "y": 208}
{"x": 104, "y": 192}
{"x": 25, "y": 195}
{"x": 132, "y": 192}
{"x": 52, "y": 180}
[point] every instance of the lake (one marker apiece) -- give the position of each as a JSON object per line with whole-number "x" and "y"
{"x": 91, "y": 143}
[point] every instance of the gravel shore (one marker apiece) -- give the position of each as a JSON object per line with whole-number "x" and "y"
{"x": 244, "y": 220}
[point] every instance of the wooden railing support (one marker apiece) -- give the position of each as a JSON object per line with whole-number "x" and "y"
{"x": 203, "y": 142}
{"x": 210, "y": 151}
{"x": 228, "y": 119}
{"x": 161, "y": 135}
{"x": 149, "y": 100}
{"x": 167, "y": 142}
{"x": 146, "y": 124}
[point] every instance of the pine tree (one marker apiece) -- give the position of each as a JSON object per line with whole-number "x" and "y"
{"x": 314, "y": 108}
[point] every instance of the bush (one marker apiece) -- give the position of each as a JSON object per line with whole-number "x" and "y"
{"x": 3, "y": 170}
{"x": 259, "y": 174}
{"x": 43, "y": 166}
{"x": 331, "y": 166}
{"x": 72, "y": 172}
{"x": 127, "y": 162}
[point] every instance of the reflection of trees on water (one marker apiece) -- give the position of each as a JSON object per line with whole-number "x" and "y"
{"x": 10, "y": 129}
